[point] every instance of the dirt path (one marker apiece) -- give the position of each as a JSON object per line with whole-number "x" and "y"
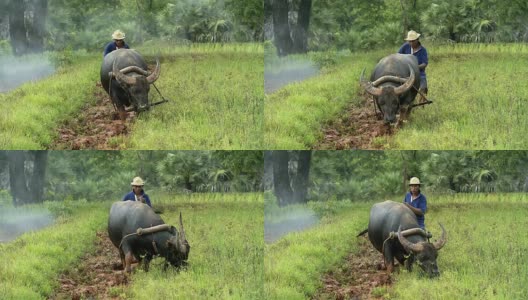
{"x": 357, "y": 128}
{"x": 360, "y": 277}
{"x": 94, "y": 127}
{"x": 96, "y": 274}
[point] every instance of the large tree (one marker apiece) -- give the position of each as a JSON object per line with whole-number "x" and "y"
{"x": 291, "y": 171}
{"x": 290, "y": 35}
{"x": 27, "y": 171}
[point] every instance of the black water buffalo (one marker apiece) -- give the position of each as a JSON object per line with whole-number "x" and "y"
{"x": 394, "y": 84}
{"x": 154, "y": 238}
{"x": 125, "y": 78}
{"x": 387, "y": 222}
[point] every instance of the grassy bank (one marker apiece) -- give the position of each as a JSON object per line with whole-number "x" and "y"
{"x": 477, "y": 92}
{"x": 215, "y": 92}
{"x": 225, "y": 262}
{"x": 483, "y": 259}
{"x": 30, "y": 114}
{"x": 30, "y": 265}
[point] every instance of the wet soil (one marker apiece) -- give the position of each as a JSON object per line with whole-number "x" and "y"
{"x": 357, "y": 128}
{"x": 361, "y": 276}
{"x": 95, "y": 126}
{"x": 96, "y": 275}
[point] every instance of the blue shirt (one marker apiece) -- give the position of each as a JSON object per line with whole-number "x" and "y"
{"x": 112, "y": 47}
{"x": 420, "y": 203}
{"x": 421, "y": 55}
{"x": 132, "y": 197}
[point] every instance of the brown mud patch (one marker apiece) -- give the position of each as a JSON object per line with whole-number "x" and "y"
{"x": 361, "y": 276}
{"x": 95, "y": 276}
{"x": 357, "y": 128}
{"x": 95, "y": 127}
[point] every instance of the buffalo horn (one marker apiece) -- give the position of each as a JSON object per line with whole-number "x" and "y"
{"x": 368, "y": 86}
{"x": 408, "y": 245}
{"x": 182, "y": 231}
{"x": 443, "y": 239}
{"x": 390, "y": 78}
{"x": 122, "y": 78}
{"x": 407, "y": 85}
{"x": 154, "y": 76}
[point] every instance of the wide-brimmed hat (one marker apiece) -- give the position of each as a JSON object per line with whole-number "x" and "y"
{"x": 137, "y": 181}
{"x": 118, "y": 35}
{"x": 412, "y": 35}
{"x": 414, "y": 181}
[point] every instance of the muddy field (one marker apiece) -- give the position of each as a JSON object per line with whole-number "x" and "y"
{"x": 99, "y": 275}
{"x": 95, "y": 126}
{"x": 361, "y": 276}
{"x": 357, "y": 128}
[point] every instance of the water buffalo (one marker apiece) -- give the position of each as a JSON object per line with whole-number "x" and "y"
{"x": 125, "y": 78}
{"x": 394, "y": 231}
{"x": 394, "y": 84}
{"x": 136, "y": 230}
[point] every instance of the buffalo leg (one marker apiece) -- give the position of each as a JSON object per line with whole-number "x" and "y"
{"x": 409, "y": 263}
{"x": 146, "y": 262}
{"x": 388, "y": 258}
{"x": 122, "y": 256}
{"x": 122, "y": 113}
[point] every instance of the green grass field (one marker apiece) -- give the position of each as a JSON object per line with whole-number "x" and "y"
{"x": 225, "y": 261}
{"x": 477, "y": 91}
{"x": 484, "y": 257}
{"x": 215, "y": 91}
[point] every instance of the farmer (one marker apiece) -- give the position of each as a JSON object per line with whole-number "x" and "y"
{"x": 119, "y": 42}
{"x": 416, "y": 201}
{"x": 137, "y": 194}
{"x": 414, "y": 47}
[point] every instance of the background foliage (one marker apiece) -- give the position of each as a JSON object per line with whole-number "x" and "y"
{"x": 373, "y": 175}
{"x": 106, "y": 175}
{"x": 363, "y": 25}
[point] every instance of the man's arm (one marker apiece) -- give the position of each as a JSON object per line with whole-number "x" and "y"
{"x": 416, "y": 211}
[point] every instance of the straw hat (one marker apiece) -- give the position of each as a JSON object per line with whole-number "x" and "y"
{"x": 118, "y": 35}
{"x": 137, "y": 181}
{"x": 412, "y": 35}
{"x": 414, "y": 181}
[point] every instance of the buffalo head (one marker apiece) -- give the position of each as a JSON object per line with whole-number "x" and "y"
{"x": 387, "y": 96}
{"x": 178, "y": 247}
{"x": 137, "y": 86}
{"x": 424, "y": 253}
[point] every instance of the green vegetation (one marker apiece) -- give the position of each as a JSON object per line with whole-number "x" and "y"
{"x": 30, "y": 115}
{"x": 216, "y": 100}
{"x": 215, "y": 97}
{"x": 483, "y": 258}
{"x": 478, "y": 101}
{"x": 31, "y": 264}
{"x": 224, "y": 231}
{"x": 226, "y": 257}
{"x": 294, "y": 264}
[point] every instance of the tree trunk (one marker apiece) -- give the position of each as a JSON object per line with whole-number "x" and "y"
{"x": 17, "y": 177}
{"x": 300, "y": 34}
{"x": 268, "y": 170}
{"x": 281, "y": 28}
{"x": 37, "y": 178}
{"x": 36, "y": 29}
{"x": 281, "y": 178}
{"x": 301, "y": 181}
{"x": 17, "y": 29}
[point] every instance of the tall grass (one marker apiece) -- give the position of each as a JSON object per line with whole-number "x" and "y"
{"x": 294, "y": 265}
{"x": 226, "y": 258}
{"x": 478, "y": 95}
{"x": 216, "y": 102}
{"x": 30, "y": 265}
{"x": 484, "y": 257}
{"x": 30, "y": 114}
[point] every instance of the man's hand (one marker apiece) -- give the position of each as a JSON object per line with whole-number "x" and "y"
{"x": 415, "y": 210}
